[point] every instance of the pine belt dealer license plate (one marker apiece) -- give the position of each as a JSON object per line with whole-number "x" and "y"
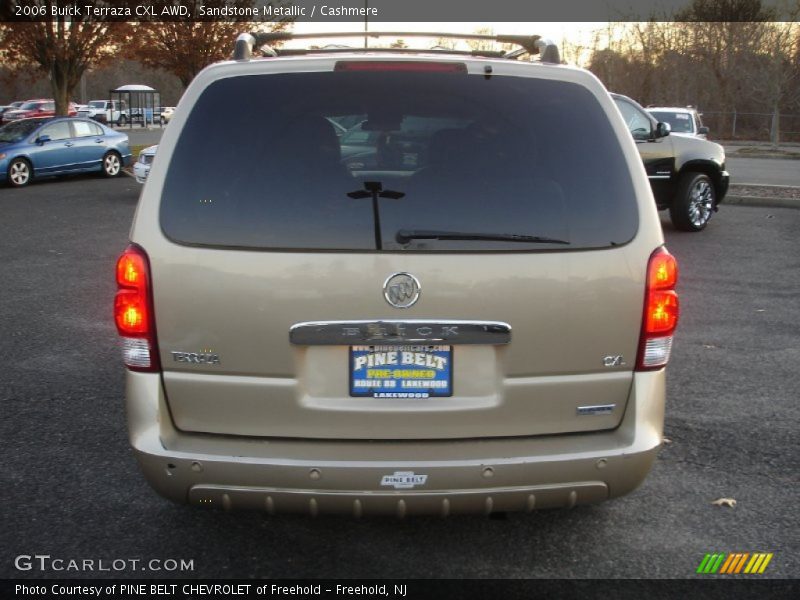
{"x": 401, "y": 371}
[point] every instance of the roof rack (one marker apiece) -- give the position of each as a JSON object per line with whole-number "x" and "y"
{"x": 246, "y": 43}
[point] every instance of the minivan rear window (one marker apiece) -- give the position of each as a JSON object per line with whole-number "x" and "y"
{"x": 398, "y": 161}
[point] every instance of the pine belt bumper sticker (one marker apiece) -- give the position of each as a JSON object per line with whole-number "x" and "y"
{"x": 401, "y": 371}
{"x": 403, "y": 480}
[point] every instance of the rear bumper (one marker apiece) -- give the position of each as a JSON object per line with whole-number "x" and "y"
{"x": 365, "y": 477}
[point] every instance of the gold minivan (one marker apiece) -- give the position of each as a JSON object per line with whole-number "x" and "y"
{"x": 378, "y": 281}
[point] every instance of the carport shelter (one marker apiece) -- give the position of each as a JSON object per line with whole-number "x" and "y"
{"x": 144, "y": 103}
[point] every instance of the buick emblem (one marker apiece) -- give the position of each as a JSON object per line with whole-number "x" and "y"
{"x": 401, "y": 290}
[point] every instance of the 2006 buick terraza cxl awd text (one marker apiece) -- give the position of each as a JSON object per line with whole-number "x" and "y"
{"x": 467, "y": 307}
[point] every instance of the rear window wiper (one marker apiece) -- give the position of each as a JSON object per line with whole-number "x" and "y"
{"x": 406, "y": 235}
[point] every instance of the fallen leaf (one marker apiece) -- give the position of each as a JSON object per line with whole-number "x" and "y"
{"x": 666, "y": 440}
{"x": 724, "y": 502}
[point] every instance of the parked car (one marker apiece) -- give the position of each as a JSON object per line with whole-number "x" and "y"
{"x": 338, "y": 128}
{"x": 107, "y": 111}
{"x": 8, "y": 108}
{"x": 687, "y": 174}
{"x": 364, "y": 148}
{"x": 682, "y": 121}
{"x": 483, "y": 328}
{"x": 358, "y": 148}
{"x": 36, "y": 108}
{"x": 166, "y": 114}
{"x": 141, "y": 168}
{"x": 33, "y": 148}
{"x": 6, "y": 112}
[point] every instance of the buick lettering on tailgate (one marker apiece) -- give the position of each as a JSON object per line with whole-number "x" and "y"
{"x": 399, "y": 330}
{"x": 391, "y": 331}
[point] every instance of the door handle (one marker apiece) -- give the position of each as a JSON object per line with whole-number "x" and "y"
{"x": 98, "y": 141}
{"x": 68, "y": 144}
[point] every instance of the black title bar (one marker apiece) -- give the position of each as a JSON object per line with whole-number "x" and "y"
{"x": 446, "y": 11}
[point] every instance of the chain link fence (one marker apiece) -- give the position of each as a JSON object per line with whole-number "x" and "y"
{"x": 760, "y": 127}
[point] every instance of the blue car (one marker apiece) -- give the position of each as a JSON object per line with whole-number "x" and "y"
{"x": 60, "y": 146}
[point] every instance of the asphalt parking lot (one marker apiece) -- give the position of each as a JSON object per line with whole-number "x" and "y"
{"x": 71, "y": 488}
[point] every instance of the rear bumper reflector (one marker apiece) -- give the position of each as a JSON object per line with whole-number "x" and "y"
{"x": 136, "y": 352}
{"x": 657, "y": 351}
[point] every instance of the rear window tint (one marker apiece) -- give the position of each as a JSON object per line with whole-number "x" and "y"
{"x": 292, "y": 161}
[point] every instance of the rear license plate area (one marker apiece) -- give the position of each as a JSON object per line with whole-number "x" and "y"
{"x": 401, "y": 371}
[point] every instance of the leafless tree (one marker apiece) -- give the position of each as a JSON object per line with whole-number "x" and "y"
{"x": 732, "y": 55}
{"x": 61, "y": 47}
{"x": 185, "y": 47}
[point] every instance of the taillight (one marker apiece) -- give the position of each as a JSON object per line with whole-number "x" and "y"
{"x": 133, "y": 311}
{"x": 660, "y": 311}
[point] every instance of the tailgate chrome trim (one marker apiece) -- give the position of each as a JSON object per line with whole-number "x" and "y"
{"x": 406, "y": 331}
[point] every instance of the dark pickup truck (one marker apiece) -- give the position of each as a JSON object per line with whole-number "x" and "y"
{"x": 687, "y": 175}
